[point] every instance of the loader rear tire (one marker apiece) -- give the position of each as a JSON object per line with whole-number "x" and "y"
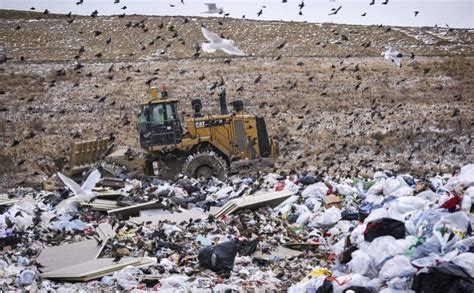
{"x": 205, "y": 164}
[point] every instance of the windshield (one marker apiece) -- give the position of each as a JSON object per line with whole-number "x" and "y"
{"x": 158, "y": 113}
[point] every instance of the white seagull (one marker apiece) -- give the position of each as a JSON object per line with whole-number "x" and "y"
{"x": 218, "y": 43}
{"x": 212, "y": 8}
{"x": 84, "y": 192}
{"x": 394, "y": 55}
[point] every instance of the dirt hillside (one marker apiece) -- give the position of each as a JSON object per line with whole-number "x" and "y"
{"x": 335, "y": 105}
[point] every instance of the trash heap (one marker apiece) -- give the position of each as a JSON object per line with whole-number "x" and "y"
{"x": 298, "y": 233}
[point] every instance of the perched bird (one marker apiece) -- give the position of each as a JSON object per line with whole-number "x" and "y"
{"x": 281, "y": 45}
{"x": 212, "y": 8}
{"x": 108, "y": 41}
{"x": 394, "y": 55}
{"x": 335, "y": 11}
{"x": 94, "y": 13}
{"x": 46, "y": 11}
{"x": 258, "y": 79}
{"x": 32, "y": 8}
{"x": 218, "y": 43}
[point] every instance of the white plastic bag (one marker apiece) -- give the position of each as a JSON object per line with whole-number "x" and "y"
{"x": 397, "y": 266}
{"x": 361, "y": 263}
{"x": 377, "y": 188}
{"x": 126, "y": 277}
{"x": 310, "y": 285}
{"x": 174, "y": 283}
{"x": 386, "y": 246}
{"x": 466, "y": 176}
{"x": 315, "y": 190}
{"x": 466, "y": 203}
{"x": 466, "y": 261}
{"x": 407, "y": 204}
{"x": 328, "y": 218}
{"x": 390, "y": 185}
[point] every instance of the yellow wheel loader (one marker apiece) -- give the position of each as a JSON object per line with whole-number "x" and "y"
{"x": 201, "y": 147}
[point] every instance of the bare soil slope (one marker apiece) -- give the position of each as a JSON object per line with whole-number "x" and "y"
{"x": 333, "y": 102}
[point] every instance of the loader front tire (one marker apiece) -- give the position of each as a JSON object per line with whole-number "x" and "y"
{"x": 205, "y": 164}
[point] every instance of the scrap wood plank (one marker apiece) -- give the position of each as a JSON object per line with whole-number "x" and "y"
{"x": 253, "y": 202}
{"x": 53, "y": 258}
{"x": 280, "y": 251}
{"x": 94, "y": 269}
{"x": 105, "y": 231}
{"x": 302, "y": 246}
{"x": 108, "y": 194}
{"x": 101, "y": 205}
{"x": 4, "y": 200}
{"x": 185, "y": 215}
{"x": 135, "y": 209}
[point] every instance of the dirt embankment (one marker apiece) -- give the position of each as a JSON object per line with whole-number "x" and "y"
{"x": 336, "y": 106}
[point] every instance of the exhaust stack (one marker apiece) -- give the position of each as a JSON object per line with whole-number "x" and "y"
{"x": 223, "y": 102}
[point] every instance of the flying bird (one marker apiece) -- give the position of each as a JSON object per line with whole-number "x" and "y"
{"x": 385, "y": 2}
{"x": 364, "y": 14}
{"x": 212, "y": 8}
{"x": 301, "y": 5}
{"x": 335, "y": 11}
{"x": 84, "y": 192}
{"x": 80, "y": 2}
{"x": 394, "y": 55}
{"x": 259, "y": 13}
{"x": 218, "y": 43}
{"x": 416, "y": 13}
{"x": 372, "y": 3}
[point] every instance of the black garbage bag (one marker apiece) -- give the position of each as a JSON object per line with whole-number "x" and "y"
{"x": 384, "y": 227}
{"x": 349, "y": 216}
{"x": 359, "y": 289}
{"x": 219, "y": 258}
{"x": 325, "y": 288}
{"x": 347, "y": 253}
{"x": 445, "y": 278}
{"x": 248, "y": 247}
{"x": 307, "y": 180}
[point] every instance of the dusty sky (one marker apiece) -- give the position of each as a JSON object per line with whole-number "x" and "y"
{"x": 455, "y": 13}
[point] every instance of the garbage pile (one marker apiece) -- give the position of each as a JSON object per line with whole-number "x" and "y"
{"x": 298, "y": 233}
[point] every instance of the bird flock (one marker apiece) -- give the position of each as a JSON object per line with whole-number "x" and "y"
{"x": 214, "y": 41}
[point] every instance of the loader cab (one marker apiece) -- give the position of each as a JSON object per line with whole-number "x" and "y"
{"x": 159, "y": 122}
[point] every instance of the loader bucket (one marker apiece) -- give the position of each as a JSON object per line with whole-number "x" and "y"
{"x": 85, "y": 154}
